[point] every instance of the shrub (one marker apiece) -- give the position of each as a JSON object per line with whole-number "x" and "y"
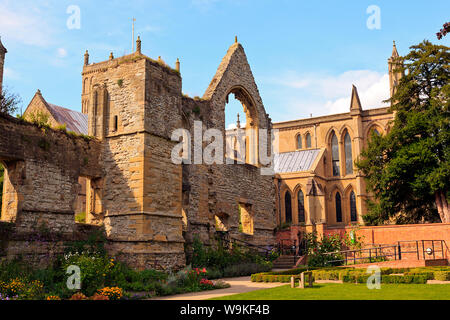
{"x": 78, "y": 296}
{"x": 97, "y": 296}
{"x": 442, "y": 275}
{"x": 94, "y": 269}
{"x": 113, "y": 293}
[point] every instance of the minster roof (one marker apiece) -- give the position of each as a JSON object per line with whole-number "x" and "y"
{"x": 295, "y": 161}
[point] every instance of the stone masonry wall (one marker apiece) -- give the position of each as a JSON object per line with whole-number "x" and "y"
{"x": 42, "y": 169}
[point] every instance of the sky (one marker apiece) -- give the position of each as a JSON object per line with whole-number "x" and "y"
{"x": 305, "y": 55}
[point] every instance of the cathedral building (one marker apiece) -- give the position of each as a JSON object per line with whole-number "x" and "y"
{"x": 318, "y": 186}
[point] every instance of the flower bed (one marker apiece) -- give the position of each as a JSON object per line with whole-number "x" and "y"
{"x": 102, "y": 278}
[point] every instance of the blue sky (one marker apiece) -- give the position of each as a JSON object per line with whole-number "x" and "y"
{"x": 305, "y": 55}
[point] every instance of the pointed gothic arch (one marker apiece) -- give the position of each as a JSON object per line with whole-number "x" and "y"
{"x": 287, "y": 207}
{"x": 348, "y": 153}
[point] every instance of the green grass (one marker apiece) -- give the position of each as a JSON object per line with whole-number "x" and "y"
{"x": 348, "y": 291}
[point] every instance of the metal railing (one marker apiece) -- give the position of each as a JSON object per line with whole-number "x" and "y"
{"x": 230, "y": 241}
{"x": 386, "y": 252}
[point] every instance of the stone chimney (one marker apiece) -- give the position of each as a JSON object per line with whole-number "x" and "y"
{"x": 177, "y": 65}
{"x": 138, "y": 44}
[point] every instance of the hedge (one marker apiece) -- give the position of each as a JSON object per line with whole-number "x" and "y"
{"x": 355, "y": 275}
{"x": 442, "y": 275}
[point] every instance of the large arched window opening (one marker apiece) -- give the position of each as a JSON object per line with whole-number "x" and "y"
{"x": 287, "y": 207}
{"x": 299, "y": 141}
{"x": 241, "y": 121}
{"x": 353, "y": 213}
{"x": 335, "y": 154}
{"x": 308, "y": 140}
{"x": 301, "y": 206}
{"x": 338, "y": 207}
{"x": 348, "y": 154}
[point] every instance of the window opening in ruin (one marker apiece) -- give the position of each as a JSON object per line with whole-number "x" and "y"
{"x": 246, "y": 218}
{"x": 241, "y": 125}
{"x": 116, "y": 123}
{"x": 9, "y": 205}
{"x": 80, "y": 203}
{"x": 221, "y": 222}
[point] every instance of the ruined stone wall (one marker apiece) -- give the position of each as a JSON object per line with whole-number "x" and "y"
{"x": 217, "y": 190}
{"x": 43, "y": 166}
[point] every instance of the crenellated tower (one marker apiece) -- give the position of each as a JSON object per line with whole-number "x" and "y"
{"x": 133, "y": 104}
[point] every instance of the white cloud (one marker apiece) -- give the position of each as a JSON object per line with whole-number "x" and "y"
{"x": 322, "y": 94}
{"x": 233, "y": 126}
{"x": 61, "y": 53}
{"x": 24, "y": 23}
{"x": 11, "y": 74}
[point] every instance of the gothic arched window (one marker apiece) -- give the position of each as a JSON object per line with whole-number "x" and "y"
{"x": 288, "y": 207}
{"x": 299, "y": 141}
{"x": 348, "y": 154}
{"x": 335, "y": 154}
{"x": 308, "y": 140}
{"x": 353, "y": 214}
{"x": 301, "y": 206}
{"x": 338, "y": 207}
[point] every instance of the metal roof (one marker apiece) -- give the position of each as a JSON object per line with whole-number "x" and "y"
{"x": 75, "y": 121}
{"x": 295, "y": 161}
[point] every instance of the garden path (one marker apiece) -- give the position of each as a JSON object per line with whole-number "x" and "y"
{"x": 238, "y": 285}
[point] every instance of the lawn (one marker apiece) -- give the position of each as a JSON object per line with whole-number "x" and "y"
{"x": 349, "y": 291}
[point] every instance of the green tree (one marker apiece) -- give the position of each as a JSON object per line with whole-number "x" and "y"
{"x": 9, "y": 102}
{"x": 408, "y": 169}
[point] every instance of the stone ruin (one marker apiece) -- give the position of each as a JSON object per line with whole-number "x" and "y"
{"x": 147, "y": 206}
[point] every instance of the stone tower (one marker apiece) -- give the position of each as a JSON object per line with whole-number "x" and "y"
{"x": 394, "y": 63}
{"x": 3, "y": 51}
{"x": 133, "y": 105}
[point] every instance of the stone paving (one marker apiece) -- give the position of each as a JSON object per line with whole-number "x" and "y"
{"x": 238, "y": 285}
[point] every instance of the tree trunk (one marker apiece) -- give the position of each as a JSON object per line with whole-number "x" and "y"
{"x": 442, "y": 206}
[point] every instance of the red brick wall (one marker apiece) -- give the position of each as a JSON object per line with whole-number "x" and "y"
{"x": 388, "y": 235}
{"x": 391, "y": 234}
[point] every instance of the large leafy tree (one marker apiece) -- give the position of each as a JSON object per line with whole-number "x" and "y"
{"x": 408, "y": 169}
